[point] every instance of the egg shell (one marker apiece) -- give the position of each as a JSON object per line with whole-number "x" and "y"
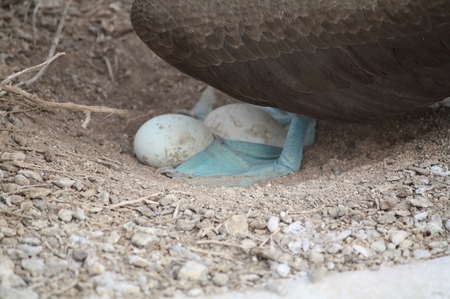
{"x": 243, "y": 122}
{"x": 170, "y": 139}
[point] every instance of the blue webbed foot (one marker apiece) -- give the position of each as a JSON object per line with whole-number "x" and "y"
{"x": 236, "y": 163}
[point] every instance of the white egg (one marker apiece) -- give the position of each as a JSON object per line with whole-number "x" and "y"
{"x": 170, "y": 139}
{"x": 243, "y": 122}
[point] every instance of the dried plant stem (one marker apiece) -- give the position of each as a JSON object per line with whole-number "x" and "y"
{"x": 68, "y": 105}
{"x": 55, "y": 43}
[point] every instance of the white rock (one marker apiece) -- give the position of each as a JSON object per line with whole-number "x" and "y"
{"x": 316, "y": 257}
{"x": 362, "y": 250}
{"x": 434, "y": 225}
{"x": 79, "y": 214}
{"x": 65, "y": 215}
{"x": 421, "y": 216}
{"x": 420, "y": 202}
{"x": 399, "y": 236}
{"x": 192, "y": 270}
{"x": 30, "y": 240}
{"x": 283, "y": 270}
{"x": 343, "y": 235}
{"x": 272, "y": 224}
{"x": 35, "y": 266}
{"x": 236, "y": 224}
{"x": 295, "y": 247}
{"x": 334, "y": 248}
{"x": 195, "y": 292}
{"x": 93, "y": 266}
{"x": 55, "y": 266}
{"x": 330, "y": 265}
{"x": 108, "y": 247}
{"x": 142, "y": 239}
{"x": 220, "y": 279}
{"x": 8, "y": 232}
{"x": 447, "y": 224}
{"x": 114, "y": 237}
{"x": 32, "y": 250}
{"x": 64, "y": 183}
{"x": 378, "y": 246}
{"x": 139, "y": 261}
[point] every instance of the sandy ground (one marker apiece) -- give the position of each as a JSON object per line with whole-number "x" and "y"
{"x": 82, "y": 218}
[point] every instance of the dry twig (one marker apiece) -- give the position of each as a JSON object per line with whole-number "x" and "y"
{"x": 55, "y": 43}
{"x": 30, "y": 69}
{"x": 131, "y": 202}
{"x": 68, "y": 105}
{"x": 46, "y": 104}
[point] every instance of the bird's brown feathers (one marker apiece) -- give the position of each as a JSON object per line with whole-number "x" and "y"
{"x": 345, "y": 60}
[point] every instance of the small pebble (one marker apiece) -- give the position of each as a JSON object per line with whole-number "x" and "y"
{"x": 434, "y": 225}
{"x": 236, "y": 224}
{"x": 195, "y": 292}
{"x": 114, "y": 237}
{"x": 362, "y": 250}
{"x": 336, "y": 169}
{"x": 142, "y": 239}
{"x": 103, "y": 197}
{"x": 20, "y": 140}
{"x": 168, "y": 199}
{"x": 420, "y": 202}
{"x": 285, "y": 217}
{"x": 378, "y": 246}
{"x": 35, "y": 266}
{"x": 283, "y": 270}
{"x": 7, "y": 232}
{"x": 55, "y": 266}
{"x": 421, "y": 216}
{"x": 399, "y": 236}
{"x": 30, "y": 240}
{"x": 16, "y": 156}
{"x": 79, "y": 254}
{"x": 139, "y": 261}
{"x": 21, "y": 180}
{"x": 78, "y": 185}
{"x": 330, "y": 266}
{"x": 258, "y": 223}
{"x": 93, "y": 266}
{"x": 65, "y": 215}
{"x": 108, "y": 247}
{"x": 343, "y": 235}
{"x": 79, "y": 214}
{"x": 64, "y": 183}
{"x": 186, "y": 224}
{"x": 209, "y": 214}
{"x": 272, "y": 224}
{"x": 32, "y": 175}
{"x": 334, "y": 248}
{"x": 386, "y": 218}
{"x": 31, "y": 250}
{"x": 316, "y": 257}
{"x": 193, "y": 271}
{"x": 220, "y": 279}
{"x": 447, "y": 224}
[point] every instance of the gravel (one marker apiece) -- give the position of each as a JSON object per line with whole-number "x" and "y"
{"x": 81, "y": 217}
